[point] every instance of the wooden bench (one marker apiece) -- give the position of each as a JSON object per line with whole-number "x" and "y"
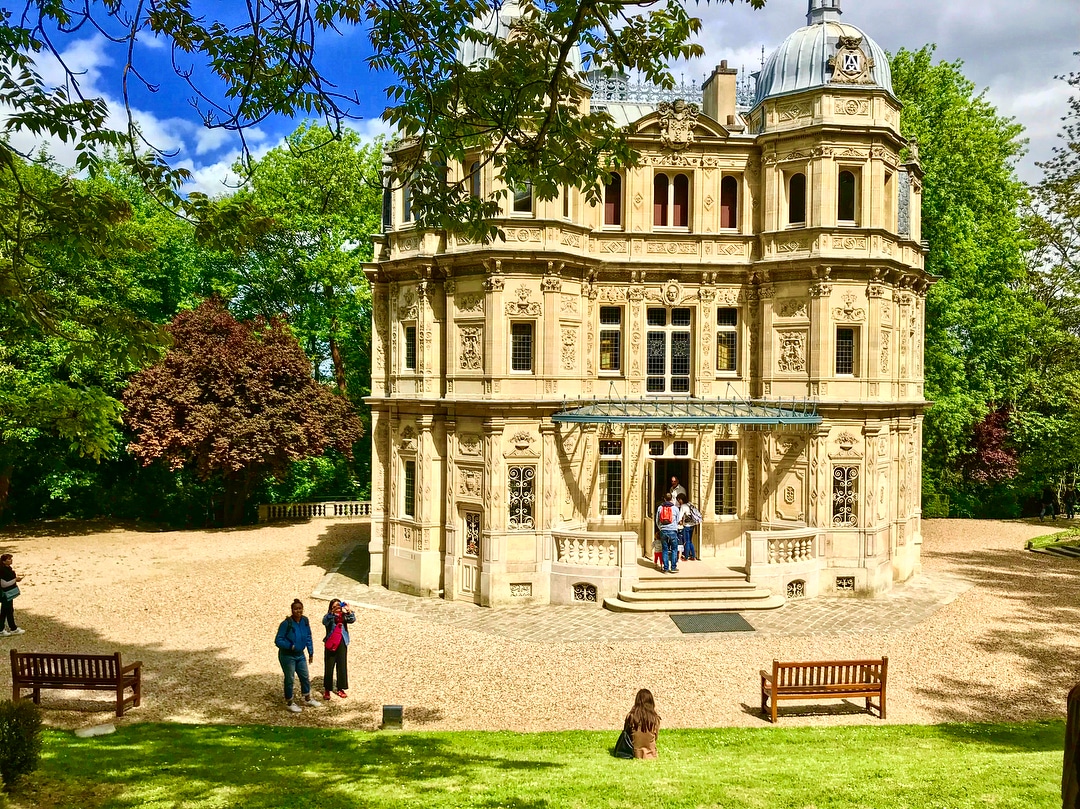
{"x": 37, "y": 670}
{"x": 825, "y": 678}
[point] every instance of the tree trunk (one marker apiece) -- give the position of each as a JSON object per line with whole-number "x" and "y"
{"x": 237, "y": 489}
{"x": 5, "y": 485}
{"x": 335, "y": 348}
{"x": 1070, "y": 773}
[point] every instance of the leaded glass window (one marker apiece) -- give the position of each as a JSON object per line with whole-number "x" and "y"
{"x": 727, "y": 341}
{"x": 845, "y": 497}
{"x": 845, "y": 351}
{"x": 668, "y": 351}
{"x": 521, "y": 347}
{"x": 410, "y": 348}
{"x": 410, "y": 488}
{"x": 610, "y": 478}
{"x": 726, "y": 481}
{"x": 472, "y": 533}
{"x": 656, "y": 447}
{"x": 611, "y": 338}
{"x": 522, "y": 497}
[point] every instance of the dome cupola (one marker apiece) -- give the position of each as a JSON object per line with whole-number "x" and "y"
{"x": 823, "y": 52}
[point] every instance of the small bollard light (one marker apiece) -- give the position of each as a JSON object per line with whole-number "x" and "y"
{"x": 391, "y": 716}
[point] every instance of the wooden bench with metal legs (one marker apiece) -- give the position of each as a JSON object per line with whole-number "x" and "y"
{"x": 37, "y": 670}
{"x": 825, "y": 678}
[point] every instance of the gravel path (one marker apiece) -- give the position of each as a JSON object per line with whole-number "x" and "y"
{"x": 200, "y": 609}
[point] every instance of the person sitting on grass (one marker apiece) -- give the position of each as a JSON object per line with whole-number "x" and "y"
{"x": 643, "y": 724}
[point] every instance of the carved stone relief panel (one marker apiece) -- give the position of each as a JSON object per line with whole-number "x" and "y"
{"x": 849, "y": 312}
{"x": 792, "y": 307}
{"x": 569, "y": 348}
{"x": 788, "y": 501}
{"x": 469, "y": 444}
{"x": 470, "y": 482}
{"x": 472, "y": 348}
{"x": 523, "y": 307}
{"x": 886, "y": 335}
{"x": 791, "y": 356}
{"x": 470, "y": 304}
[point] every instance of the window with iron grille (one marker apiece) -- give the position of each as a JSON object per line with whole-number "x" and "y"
{"x": 726, "y": 481}
{"x": 521, "y": 347}
{"x": 727, "y": 339}
{"x": 521, "y": 498}
{"x": 610, "y": 478}
{"x": 472, "y": 533}
{"x": 667, "y": 351}
{"x": 410, "y": 348}
{"x": 845, "y": 351}
{"x": 410, "y": 488}
{"x": 611, "y": 339}
{"x": 845, "y": 497}
{"x": 656, "y": 447}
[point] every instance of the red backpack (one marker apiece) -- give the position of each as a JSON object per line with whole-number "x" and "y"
{"x": 666, "y": 517}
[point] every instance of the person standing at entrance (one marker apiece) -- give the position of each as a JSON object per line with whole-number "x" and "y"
{"x": 690, "y": 516}
{"x": 667, "y": 523}
{"x": 676, "y": 489}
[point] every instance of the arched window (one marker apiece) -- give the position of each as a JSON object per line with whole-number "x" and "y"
{"x": 660, "y": 200}
{"x": 729, "y": 202}
{"x": 474, "y": 179}
{"x": 845, "y": 197}
{"x": 680, "y": 214}
{"x": 797, "y": 199}
{"x": 613, "y": 201}
{"x": 671, "y": 201}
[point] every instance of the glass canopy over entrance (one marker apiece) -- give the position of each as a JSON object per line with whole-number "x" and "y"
{"x": 751, "y": 414}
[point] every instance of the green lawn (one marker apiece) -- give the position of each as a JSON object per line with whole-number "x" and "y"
{"x": 947, "y": 766}
{"x": 1070, "y": 536}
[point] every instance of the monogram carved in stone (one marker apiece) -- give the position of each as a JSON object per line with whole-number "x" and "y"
{"x": 469, "y": 444}
{"x": 472, "y": 357}
{"x": 791, "y": 308}
{"x": 677, "y": 121}
{"x": 523, "y": 306}
{"x": 792, "y": 358}
{"x": 851, "y": 65}
{"x": 470, "y": 303}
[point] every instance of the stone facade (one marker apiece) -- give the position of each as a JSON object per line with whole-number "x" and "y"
{"x": 765, "y": 254}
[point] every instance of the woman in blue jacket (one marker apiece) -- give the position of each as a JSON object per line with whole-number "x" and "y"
{"x": 293, "y": 638}
{"x": 337, "y": 619}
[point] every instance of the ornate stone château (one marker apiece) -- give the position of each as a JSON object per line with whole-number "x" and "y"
{"x": 745, "y": 312}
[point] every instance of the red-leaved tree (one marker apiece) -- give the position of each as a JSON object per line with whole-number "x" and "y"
{"x": 234, "y": 399}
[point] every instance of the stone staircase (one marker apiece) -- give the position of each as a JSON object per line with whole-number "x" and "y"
{"x": 697, "y": 587}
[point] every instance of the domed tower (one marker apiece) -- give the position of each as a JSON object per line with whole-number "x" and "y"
{"x": 841, "y": 292}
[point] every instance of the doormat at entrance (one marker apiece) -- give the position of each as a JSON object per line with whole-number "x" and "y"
{"x": 711, "y": 622}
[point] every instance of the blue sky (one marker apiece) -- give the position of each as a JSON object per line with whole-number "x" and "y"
{"x": 1013, "y": 50}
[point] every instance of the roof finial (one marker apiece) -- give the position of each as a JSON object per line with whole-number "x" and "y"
{"x": 823, "y": 11}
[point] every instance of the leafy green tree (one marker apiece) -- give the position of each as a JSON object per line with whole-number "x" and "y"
{"x": 234, "y": 401}
{"x": 982, "y": 325}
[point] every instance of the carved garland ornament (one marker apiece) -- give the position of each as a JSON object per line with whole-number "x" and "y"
{"x": 523, "y": 306}
{"x": 472, "y": 357}
{"x": 792, "y": 357}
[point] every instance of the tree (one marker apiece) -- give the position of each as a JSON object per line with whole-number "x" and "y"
{"x": 520, "y": 106}
{"x": 235, "y": 400}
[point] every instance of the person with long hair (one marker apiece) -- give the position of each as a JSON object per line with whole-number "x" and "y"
{"x": 336, "y": 621}
{"x": 643, "y": 724}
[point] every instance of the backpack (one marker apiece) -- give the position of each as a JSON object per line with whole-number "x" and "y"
{"x": 666, "y": 516}
{"x": 694, "y": 514}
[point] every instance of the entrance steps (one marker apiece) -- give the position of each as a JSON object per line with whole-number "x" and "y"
{"x": 697, "y": 587}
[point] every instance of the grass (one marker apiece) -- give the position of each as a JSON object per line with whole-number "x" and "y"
{"x": 895, "y": 766}
{"x": 1070, "y": 536}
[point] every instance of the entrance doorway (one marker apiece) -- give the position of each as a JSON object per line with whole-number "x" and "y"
{"x": 658, "y": 475}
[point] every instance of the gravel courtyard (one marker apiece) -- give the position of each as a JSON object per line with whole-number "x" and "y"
{"x": 200, "y": 609}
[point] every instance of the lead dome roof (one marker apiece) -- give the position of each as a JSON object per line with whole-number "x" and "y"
{"x": 802, "y": 60}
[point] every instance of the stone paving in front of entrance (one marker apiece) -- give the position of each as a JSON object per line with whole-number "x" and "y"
{"x": 902, "y": 608}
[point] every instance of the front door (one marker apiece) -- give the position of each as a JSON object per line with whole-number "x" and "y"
{"x": 469, "y": 562}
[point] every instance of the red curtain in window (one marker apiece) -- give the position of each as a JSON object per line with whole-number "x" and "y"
{"x": 613, "y": 201}
{"x": 729, "y": 202}
{"x": 660, "y": 200}
{"x": 681, "y": 208}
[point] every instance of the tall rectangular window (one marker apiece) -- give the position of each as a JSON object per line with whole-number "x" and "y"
{"x": 410, "y": 348}
{"x": 611, "y": 339}
{"x": 523, "y": 199}
{"x": 727, "y": 339}
{"x": 410, "y": 488}
{"x": 521, "y": 347}
{"x": 613, "y": 201}
{"x": 797, "y": 199}
{"x": 726, "y": 481}
{"x": 846, "y": 198}
{"x": 845, "y": 351}
{"x": 667, "y": 351}
{"x": 521, "y": 497}
{"x": 610, "y": 478}
{"x": 729, "y": 203}
{"x": 845, "y": 499}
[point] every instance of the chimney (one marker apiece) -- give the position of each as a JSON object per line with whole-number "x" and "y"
{"x": 718, "y": 94}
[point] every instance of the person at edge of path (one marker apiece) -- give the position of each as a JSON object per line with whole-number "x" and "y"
{"x": 1070, "y": 503}
{"x": 336, "y": 647}
{"x": 667, "y": 522}
{"x": 8, "y": 592}
{"x": 675, "y": 489}
{"x": 1049, "y": 506}
{"x": 292, "y": 640}
{"x": 690, "y": 517}
{"x": 643, "y": 724}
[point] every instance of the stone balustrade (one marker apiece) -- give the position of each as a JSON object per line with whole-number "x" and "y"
{"x": 329, "y": 509}
{"x": 783, "y": 549}
{"x": 599, "y": 550}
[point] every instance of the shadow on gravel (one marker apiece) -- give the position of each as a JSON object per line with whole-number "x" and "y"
{"x": 74, "y": 528}
{"x": 336, "y": 543}
{"x": 824, "y": 708}
{"x": 1042, "y": 632}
